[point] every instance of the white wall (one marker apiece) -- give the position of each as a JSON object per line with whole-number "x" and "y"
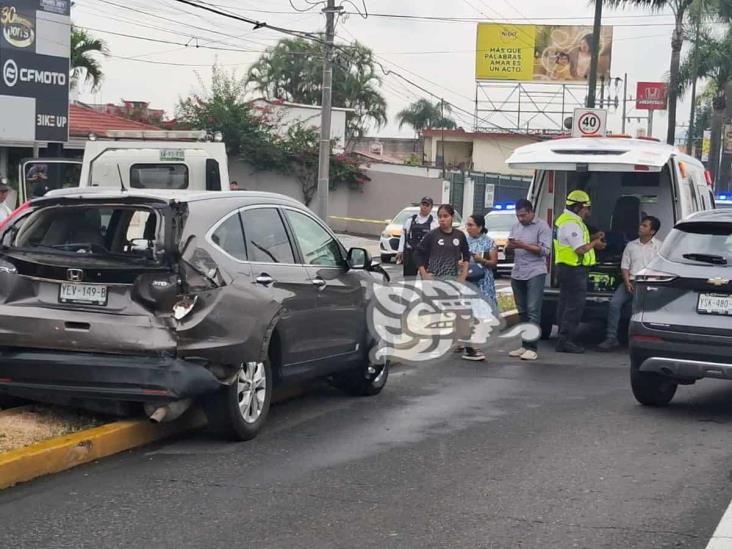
{"x": 289, "y": 115}
{"x": 490, "y": 155}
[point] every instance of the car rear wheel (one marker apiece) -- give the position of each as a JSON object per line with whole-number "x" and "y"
{"x": 239, "y": 410}
{"x": 650, "y": 388}
{"x": 367, "y": 381}
{"x": 385, "y": 258}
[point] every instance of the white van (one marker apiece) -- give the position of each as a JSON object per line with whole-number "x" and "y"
{"x": 169, "y": 160}
{"x": 626, "y": 179}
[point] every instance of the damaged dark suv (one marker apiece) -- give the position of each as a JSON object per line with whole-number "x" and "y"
{"x": 112, "y": 300}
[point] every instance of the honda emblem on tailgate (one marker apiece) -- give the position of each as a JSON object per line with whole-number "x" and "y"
{"x": 74, "y": 275}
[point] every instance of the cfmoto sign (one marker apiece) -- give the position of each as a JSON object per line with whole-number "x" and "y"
{"x": 10, "y": 73}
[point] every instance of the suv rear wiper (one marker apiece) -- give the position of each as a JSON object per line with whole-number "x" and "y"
{"x": 706, "y": 258}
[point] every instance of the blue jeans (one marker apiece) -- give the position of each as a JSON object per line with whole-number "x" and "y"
{"x": 618, "y": 301}
{"x": 529, "y": 295}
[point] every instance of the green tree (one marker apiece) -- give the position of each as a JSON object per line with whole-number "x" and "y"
{"x": 713, "y": 61}
{"x": 683, "y": 11}
{"x": 423, "y": 114}
{"x": 255, "y": 134}
{"x": 85, "y": 63}
{"x": 292, "y": 71}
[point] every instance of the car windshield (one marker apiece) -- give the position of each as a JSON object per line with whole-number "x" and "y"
{"x": 122, "y": 232}
{"x": 409, "y": 212}
{"x": 499, "y": 222}
{"x": 700, "y": 243}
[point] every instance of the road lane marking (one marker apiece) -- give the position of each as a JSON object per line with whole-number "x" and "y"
{"x": 722, "y": 537}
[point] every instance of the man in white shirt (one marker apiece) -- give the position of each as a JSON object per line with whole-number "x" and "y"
{"x": 415, "y": 229}
{"x": 636, "y": 257}
{"x": 4, "y": 208}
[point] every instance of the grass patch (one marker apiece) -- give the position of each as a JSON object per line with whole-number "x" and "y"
{"x": 35, "y": 423}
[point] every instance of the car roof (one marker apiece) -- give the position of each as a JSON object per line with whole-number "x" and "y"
{"x": 723, "y": 215}
{"x": 618, "y": 151}
{"x": 169, "y": 195}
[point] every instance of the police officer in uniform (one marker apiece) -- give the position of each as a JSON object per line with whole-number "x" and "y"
{"x": 574, "y": 253}
{"x": 415, "y": 229}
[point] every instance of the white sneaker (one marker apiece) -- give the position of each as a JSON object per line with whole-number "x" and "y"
{"x": 517, "y": 353}
{"x": 529, "y": 355}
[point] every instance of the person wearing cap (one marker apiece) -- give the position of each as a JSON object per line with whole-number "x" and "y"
{"x": 415, "y": 229}
{"x": 4, "y": 208}
{"x": 574, "y": 253}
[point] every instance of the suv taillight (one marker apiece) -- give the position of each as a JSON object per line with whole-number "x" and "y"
{"x": 650, "y": 276}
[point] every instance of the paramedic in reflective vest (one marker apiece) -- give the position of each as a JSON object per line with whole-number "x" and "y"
{"x": 574, "y": 253}
{"x": 415, "y": 229}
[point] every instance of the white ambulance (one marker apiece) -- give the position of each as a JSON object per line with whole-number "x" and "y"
{"x": 626, "y": 179}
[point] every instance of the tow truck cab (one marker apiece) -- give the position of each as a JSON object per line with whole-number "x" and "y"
{"x": 173, "y": 160}
{"x": 626, "y": 179}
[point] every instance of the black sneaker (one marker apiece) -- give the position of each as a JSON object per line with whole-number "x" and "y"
{"x": 608, "y": 345}
{"x": 570, "y": 347}
{"x": 473, "y": 354}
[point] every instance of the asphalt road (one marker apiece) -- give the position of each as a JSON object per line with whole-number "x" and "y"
{"x": 501, "y": 454}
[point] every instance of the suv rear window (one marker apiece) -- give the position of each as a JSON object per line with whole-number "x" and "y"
{"x": 159, "y": 176}
{"x": 699, "y": 243}
{"x": 100, "y": 231}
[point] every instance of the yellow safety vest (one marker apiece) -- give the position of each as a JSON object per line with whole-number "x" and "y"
{"x": 566, "y": 254}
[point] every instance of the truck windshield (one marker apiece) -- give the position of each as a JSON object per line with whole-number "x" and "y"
{"x": 41, "y": 177}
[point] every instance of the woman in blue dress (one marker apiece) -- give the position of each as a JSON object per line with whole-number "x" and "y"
{"x": 483, "y": 258}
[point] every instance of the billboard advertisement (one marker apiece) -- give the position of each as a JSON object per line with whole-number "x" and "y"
{"x": 34, "y": 70}
{"x": 706, "y": 145}
{"x": 553, "y": 53}
{"x": 651, "y": 96}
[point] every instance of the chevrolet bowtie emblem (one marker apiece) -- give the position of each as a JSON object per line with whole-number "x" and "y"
{"x": 718, "y": 281}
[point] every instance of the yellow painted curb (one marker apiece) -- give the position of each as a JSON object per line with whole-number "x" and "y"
{"x": 61, "y": 453}
{"x": 358, "y": 219}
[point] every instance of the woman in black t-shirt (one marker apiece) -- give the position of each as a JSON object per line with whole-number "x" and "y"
{"x": 444, "y": 252}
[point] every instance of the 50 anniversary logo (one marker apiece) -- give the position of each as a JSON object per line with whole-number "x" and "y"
{"x": 17, "y": 30}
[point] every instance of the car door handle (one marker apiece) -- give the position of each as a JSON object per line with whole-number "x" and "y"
{"x": 264, "y": 279}
{"x": 319, "y": 283}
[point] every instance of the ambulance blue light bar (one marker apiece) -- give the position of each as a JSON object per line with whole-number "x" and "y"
{"x": 504, "y": 206}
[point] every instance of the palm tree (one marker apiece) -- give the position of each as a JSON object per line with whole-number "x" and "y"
{"x": 712, "y": 60}
{"x": 85, "y": 65}
{"x": 681, "y": 10}
{"x": 423, "y": 114}
{"x": 293, "y": 70}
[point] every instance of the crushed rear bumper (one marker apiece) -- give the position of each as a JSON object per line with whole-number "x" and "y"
{"x": 47, "y": 375}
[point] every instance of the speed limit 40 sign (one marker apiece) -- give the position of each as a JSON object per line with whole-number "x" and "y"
{"x": 589, "y": 122}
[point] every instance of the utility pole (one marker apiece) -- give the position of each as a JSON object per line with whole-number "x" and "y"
{"x": 592, "y": 91}
{"x": 442, "y": 115}
{"x": 325, "y": 113}
{"x": 625, "y": 100}
{"x": 695, "y": 69}
{"x": 650, "y": 123}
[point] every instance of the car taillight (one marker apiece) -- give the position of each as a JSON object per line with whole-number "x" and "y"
{"x": 15, "y": 213}
{"x": 650, "y": 276}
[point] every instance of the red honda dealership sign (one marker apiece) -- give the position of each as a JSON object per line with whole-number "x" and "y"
{"x": 651, "y": 96}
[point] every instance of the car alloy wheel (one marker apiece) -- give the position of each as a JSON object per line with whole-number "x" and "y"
{"x": 252, "y": 390}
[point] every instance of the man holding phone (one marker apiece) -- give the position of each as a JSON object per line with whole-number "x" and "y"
{"x": 531, "y": 240}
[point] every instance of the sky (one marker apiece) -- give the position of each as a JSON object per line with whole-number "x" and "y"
{"x": 437, "y": 55}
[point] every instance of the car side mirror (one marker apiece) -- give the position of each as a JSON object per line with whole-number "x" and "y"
{"x": 358, "y": 258}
